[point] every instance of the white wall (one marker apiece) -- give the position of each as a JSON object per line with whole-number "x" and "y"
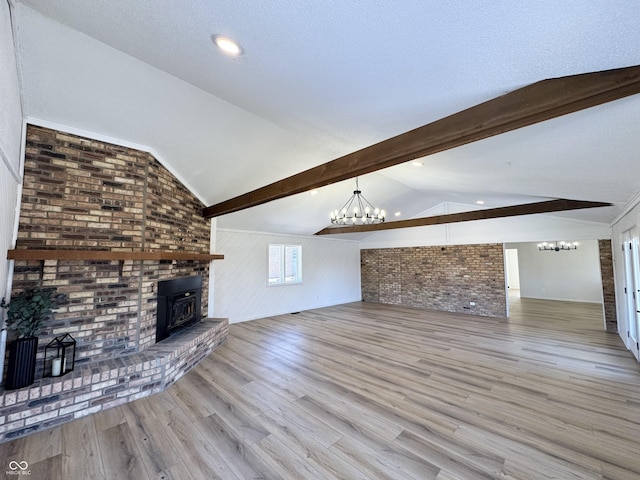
{"x": 330, "y": 275}
{"x": 10, "y": 148}
{"x": 566, "y": 275}
{"x": 10, "y": 140}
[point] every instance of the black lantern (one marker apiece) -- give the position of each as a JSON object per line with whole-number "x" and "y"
{"x": 59, "y": 356}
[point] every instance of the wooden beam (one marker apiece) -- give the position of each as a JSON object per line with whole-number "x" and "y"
{"x": 547, "y": 206}
{"x": 534, "y": 103}
{"x": 32, "y": 254}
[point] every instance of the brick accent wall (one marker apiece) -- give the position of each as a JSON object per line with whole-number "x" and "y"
{"x": 608, "y": 286}
{"x": 445, "y": 278}
{"x": 83, "y": 194}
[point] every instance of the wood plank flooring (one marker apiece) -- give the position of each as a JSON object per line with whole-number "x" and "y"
{"x": 366, "y": 391}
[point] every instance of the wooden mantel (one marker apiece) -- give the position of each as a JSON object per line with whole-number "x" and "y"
{"x": 32, "y": 254}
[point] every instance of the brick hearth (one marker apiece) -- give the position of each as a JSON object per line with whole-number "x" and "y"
{"x": 100, "y": 385}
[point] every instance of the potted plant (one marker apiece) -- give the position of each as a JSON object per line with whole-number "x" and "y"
{"x": 26, "y": 313}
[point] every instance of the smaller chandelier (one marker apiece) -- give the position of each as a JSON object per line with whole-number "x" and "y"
{"x": 357, "y": 211}
{"x": 556, "y": 247}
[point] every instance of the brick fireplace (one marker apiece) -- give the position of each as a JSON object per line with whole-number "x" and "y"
{"x": 85, "y": 195}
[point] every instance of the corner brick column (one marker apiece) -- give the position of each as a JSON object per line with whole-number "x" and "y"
{"x": 608, "y": 286}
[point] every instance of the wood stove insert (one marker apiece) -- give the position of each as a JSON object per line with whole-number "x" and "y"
{"x": 179, "y": 305}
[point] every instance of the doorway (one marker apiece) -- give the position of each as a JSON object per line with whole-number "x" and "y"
{"x": 511, "y": 277}
{"x": 632, "y": 291}
{"x": 512, "y": 271}
{"x": 573, "y": 275}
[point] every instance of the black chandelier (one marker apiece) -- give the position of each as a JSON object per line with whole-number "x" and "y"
{"x": 557, "y": 246}
{"x": 357, "y": 211}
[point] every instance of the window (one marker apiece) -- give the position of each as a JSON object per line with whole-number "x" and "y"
{"x": 285, "y": 264}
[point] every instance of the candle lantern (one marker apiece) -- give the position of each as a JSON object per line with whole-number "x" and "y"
{"x": 59, "y": 356}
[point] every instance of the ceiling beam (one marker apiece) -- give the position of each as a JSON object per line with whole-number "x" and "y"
{"x": 525, "y": 106}
{"x": 547, "y": 206}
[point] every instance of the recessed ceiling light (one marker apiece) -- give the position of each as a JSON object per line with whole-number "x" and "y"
{"x": 227, "y": 45}
{"x": 480, "y": 202}
{"x": 417, "y": 163}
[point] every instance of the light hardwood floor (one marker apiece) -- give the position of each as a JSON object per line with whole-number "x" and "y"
{"x": 366, "y": 391}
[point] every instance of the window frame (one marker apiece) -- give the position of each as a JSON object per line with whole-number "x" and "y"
{"x": 296, "y": 279}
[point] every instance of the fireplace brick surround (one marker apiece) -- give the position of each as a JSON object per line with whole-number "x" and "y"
{"x": 83, "y": 194}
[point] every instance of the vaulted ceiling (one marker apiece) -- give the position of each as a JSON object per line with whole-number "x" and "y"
{"x": 321, "y": 79}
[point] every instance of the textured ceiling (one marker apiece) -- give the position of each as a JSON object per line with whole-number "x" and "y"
{"x": 320, "y": 79}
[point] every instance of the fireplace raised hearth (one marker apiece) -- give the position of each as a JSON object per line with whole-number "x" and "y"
{"x": 179, "y": 305}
